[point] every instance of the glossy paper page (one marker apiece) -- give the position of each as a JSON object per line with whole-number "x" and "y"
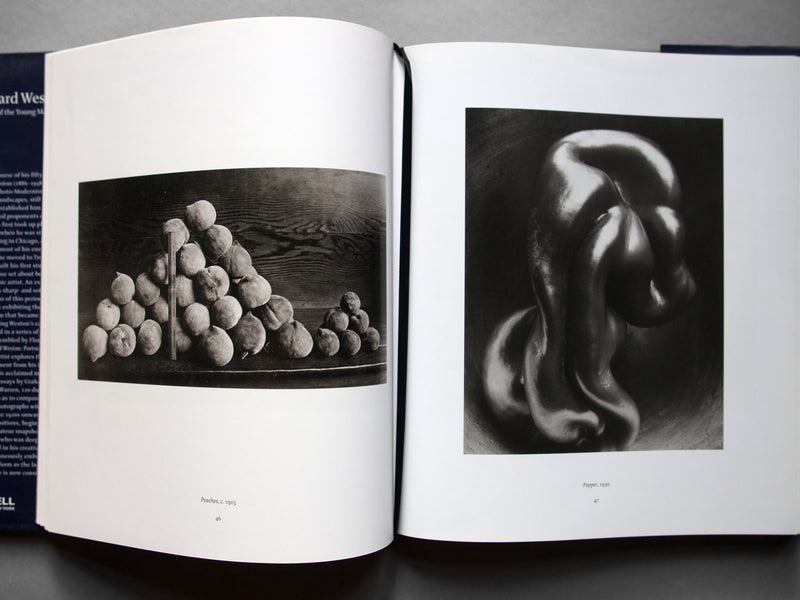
{"x": 233, "y": 452}
{"x": 603, "y": 257}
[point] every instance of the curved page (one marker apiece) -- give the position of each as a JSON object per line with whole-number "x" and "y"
{"x": 254, "y": 438}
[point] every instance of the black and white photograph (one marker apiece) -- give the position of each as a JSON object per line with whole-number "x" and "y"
{"x": 253, "y": 278}
{"x": 593, "y": 282}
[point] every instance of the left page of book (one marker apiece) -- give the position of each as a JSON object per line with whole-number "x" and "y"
{"x": 21, "y": 120}
{"x": 267, "y": 437}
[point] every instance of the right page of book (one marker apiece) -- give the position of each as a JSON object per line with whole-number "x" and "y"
{"x": 603, "y": 295}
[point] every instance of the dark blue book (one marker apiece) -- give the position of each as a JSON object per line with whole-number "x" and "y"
{"x": 21, "y": 130}
{"x": 744, "y": 50}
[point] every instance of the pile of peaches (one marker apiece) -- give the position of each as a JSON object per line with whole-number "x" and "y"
{"x": 224, "y": 307}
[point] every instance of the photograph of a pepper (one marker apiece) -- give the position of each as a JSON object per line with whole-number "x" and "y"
{"x": 593, "y": 311}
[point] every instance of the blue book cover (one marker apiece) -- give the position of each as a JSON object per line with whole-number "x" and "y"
{"x": 744, "y": 50}
{"x": 21, "y": 131}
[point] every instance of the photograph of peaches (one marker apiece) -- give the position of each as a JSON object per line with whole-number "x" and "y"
{"x": 273, "y": 278}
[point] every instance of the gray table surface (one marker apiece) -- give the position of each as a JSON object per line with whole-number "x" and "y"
{"x": 38, "y": 565}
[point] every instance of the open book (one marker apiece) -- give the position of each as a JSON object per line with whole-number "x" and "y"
{"x": 597, "y": 335}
